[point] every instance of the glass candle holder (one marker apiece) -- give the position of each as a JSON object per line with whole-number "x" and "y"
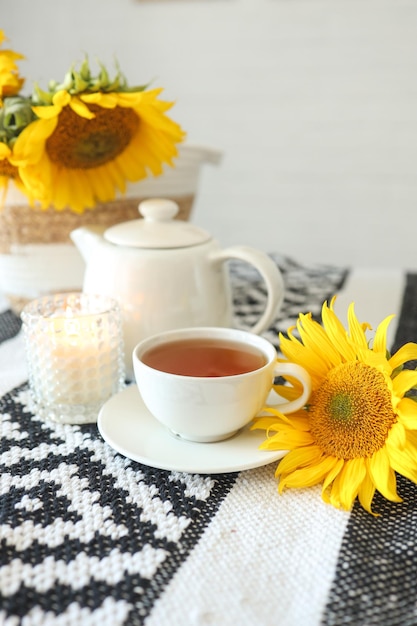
{"x": 75, "y": 355}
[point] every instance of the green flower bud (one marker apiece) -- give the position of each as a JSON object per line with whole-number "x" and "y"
{"x": 15, "y": 115}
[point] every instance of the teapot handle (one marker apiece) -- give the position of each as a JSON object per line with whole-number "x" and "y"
{"x": 270, "y": 274}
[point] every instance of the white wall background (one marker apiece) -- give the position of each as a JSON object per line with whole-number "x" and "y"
{"x": 314, "y": 103}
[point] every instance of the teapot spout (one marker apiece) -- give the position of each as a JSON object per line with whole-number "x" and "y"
{"x": 86, "y": 239}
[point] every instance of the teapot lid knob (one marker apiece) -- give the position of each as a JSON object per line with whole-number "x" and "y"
{"x": 158, "y": 209}
{"x": 158, "y": 229}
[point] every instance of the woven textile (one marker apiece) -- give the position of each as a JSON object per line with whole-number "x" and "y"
{"x": 91, "y": 537}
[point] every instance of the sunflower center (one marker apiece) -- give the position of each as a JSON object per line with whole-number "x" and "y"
{"x": 81, "y": 143}
{"x": 351, "y": 412}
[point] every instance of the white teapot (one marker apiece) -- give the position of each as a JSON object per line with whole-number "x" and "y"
{"x": 168, "y": 273}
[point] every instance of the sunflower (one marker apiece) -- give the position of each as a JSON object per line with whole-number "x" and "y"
{"x": 360, "y": 425}
{"x": 10, "y": 81}
{"x": 91, "y": 136}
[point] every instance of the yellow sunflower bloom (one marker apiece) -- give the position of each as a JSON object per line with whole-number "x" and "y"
{"x": 85, "y": 146}
{"x": 360, "y": 425}
{"x": 10, "y": 81}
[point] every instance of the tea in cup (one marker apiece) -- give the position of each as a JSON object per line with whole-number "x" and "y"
{"x": 205, "y": 384}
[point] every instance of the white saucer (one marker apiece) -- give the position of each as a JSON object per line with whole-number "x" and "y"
{"x": 127, "y": 426}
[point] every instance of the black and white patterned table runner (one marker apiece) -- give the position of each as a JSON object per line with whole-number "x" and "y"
{"x": 89, "y": 537}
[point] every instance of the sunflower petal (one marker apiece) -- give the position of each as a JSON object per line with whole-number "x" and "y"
{"x": 346, "y": 484}
{"x": 403, "y": 463}
{"x": 266, "y": 423}
{"x": 397, "y": 436}
{"x": 47, "y": 112}
{"x": 407, "y": 413}
{"x": 287, "y": 439}
{"x": 337, "y": 334}
{"x": 278, "y": 417}
{"x": 380, "y": 339}
{"x": 310, "y": 360}
{"x": 298, "y": 458}
{"x": 366, "y": 494}
{"x": 314, "y": 337}
{"x": 80, "y": 108}
{"x": 306, "y": 476}
{"x": 4, "y": 151}
{"x": 356, "y": 330}
{"x": 337, "y": 467}
{"x": 28, "y": 147}
{"x": 287, "y": 392}
{"x": 382, "y": 475}
{"x": 407, "y": 352}
{"x": 404, "y": 381}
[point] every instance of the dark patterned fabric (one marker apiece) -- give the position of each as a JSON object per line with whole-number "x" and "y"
{"x": 306, "y": 288}
{"x": 10, "y": 325}
{"x": 407, "y": 327}
{"x": 376, "y": 577}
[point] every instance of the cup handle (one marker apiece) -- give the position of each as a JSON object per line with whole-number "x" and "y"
{"x": 298, "y": 372}
{"x": 270, "y": 274}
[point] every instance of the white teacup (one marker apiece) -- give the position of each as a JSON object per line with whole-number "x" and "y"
{"x": 204, "y": 384}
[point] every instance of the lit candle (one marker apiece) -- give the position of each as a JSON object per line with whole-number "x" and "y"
{"x": 75, "y": 354}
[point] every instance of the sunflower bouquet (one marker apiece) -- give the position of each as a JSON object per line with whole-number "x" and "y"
{"x": 80, "y": 141}
{"x": 359, "y": 427}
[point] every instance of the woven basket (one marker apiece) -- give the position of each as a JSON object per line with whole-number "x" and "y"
{"x": 37, "y": 255}
{"x": 20, "y": 224}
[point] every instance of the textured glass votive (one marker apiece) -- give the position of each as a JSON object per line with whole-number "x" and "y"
{"x": 75, "y": 355}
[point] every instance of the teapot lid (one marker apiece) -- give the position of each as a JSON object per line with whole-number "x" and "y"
{"x": 158, "y": 229}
